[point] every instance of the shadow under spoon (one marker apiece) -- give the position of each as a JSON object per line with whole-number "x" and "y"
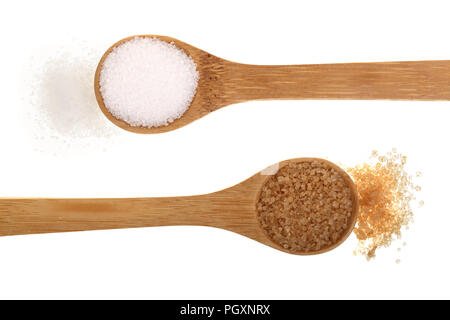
{"x": 233, "y": 209}
{"x": 223, "y": 82}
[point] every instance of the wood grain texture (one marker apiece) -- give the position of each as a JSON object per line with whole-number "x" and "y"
{"x": 224, "y": 82}
{"x": 232, "y": 209}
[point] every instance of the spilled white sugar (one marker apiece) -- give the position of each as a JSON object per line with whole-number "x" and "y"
{"x": 59, "y": 106}
{"x": 148, "y": 82}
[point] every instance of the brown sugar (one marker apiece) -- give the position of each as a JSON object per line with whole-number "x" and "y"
{"x": 385, "y": 195}
{"x": 306, "y": 206}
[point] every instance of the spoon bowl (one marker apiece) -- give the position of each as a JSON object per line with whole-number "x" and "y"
{"x": 222, "y": 82}
{"x": 207, "y": 98}
{"x": 233, "y": 209}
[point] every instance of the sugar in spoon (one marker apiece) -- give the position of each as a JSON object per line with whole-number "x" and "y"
{"x": 234, "y": 209}
{"x": 223, "y": 82}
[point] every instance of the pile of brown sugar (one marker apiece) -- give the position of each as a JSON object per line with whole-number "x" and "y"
{"x": 306, "y": 206}
{"x": 386, "y": 191}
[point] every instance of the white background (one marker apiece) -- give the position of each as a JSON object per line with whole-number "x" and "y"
{"x": 219, "y": 150}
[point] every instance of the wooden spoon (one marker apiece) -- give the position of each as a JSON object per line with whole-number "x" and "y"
{"x": 232, "y": 209}
{"x": 223, "y": 83}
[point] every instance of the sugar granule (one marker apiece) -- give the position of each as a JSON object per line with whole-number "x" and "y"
{"x": 148, "y": 82}
{"x": 306, "y": 206}
{"x": 386, "y": 191}
{"x": 58, "y": 104}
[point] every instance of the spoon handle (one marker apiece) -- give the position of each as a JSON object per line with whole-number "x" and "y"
{"x": 416, "y": 80}
{"x": 31, "y": 216}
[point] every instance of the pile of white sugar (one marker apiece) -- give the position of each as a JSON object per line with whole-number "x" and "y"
{"x": 147, "y": 82}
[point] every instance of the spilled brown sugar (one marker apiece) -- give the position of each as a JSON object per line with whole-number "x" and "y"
{"x": 306, "y": 206}
{"x": 386, "y": 192}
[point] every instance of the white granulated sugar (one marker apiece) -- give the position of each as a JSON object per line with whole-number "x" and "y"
{"x": 148, "y": 82}
{"x": 59, "y": 103}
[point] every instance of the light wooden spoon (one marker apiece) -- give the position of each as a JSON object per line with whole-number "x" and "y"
{"x": 223, "y": 83}
{"x": 232, "y": 209}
